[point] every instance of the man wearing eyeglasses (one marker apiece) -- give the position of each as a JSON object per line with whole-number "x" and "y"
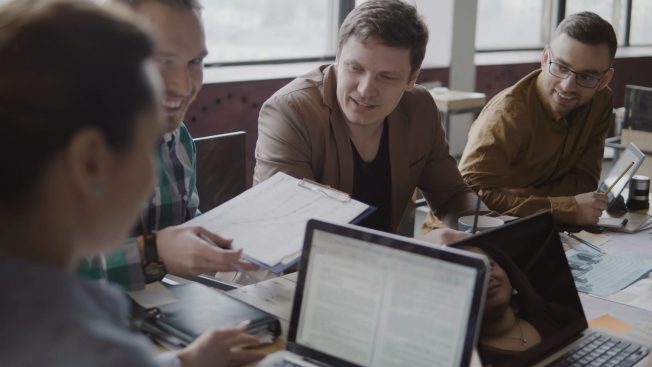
{"x": 538, "y": 145}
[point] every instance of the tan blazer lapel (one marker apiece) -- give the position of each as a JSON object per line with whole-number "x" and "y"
{"x": 344, "y": 151}
{"x": 398, "y": 158}
{"x": 340, "y": 131}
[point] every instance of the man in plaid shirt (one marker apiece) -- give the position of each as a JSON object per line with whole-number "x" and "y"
{"x": 181, "y": 48}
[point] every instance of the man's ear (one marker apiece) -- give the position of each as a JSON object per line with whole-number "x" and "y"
{"x": 545, "y": 56}
{"x": 412, "y": 80}
{"x": 606, "y": 79}
{"x": 89, "y": 160}
{"x": 336, "y": 63}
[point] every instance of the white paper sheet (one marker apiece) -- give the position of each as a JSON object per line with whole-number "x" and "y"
{"x": 268, "y": 221}
{"x": 154, "y": 295}
{"x": 638, "y": 294}
{"x": 607, "y": 274}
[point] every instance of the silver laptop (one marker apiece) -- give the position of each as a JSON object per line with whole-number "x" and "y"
{"x": 533, "y": 315}
{"x": 629, "y": 155}
{"x": 368, "y": 298}
{"x": 634, "y": 221}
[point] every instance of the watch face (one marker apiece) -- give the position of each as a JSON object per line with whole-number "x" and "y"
{"x": 154, "y": 271}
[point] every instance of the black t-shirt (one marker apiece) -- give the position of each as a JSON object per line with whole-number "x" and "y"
{"x": 372, "y": 184}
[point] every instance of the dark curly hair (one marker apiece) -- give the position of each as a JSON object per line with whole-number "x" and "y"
{"x": 66, "y": 65}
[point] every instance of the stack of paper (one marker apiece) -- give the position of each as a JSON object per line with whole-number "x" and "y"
{"x": 268, "y": 221}
{"x": 630, "y": 222}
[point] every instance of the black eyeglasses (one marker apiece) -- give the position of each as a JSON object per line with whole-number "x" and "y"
{"x": 582, "y": 79}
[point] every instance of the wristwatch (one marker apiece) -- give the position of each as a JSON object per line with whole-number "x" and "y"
{"x": 152, "y": 266}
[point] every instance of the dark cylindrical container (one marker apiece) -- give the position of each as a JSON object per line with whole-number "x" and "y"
{"x": 639, "y": 191}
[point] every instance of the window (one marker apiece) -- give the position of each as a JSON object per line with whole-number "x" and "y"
{"x": 640, "y": 30}
{"x": 510, "y": 24}
{"x": 527, "y": 24}
{"x": 613, "y": 11}
{"x": 245, "y": 31}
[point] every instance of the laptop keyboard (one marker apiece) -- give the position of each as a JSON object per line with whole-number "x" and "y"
{"x": 602, "y": 350}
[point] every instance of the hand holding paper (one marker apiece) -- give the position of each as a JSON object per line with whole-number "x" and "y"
{"x": 268, "y": 221}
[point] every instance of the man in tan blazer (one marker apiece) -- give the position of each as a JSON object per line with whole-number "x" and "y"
{"x": 362, "y": 126}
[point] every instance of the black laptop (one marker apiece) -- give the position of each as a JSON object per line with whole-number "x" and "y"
{"x": 368, "y": 298}
{"x": 533, "y": 314}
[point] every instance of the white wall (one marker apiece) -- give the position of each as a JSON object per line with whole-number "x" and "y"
{"x": 452, "y": 42}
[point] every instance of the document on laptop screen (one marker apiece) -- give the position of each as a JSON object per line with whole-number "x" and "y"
{"x": 375, "y": 305}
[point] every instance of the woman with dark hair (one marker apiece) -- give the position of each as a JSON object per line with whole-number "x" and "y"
{"x": 515, "y": 317}
{"x": 79, "y": 118}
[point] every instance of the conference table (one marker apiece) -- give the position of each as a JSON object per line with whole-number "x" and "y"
{"x": 275, "y": 296}
{"x": 595, "y": 307}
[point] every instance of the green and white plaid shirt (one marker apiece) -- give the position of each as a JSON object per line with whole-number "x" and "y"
{"x": 174, "y": 201}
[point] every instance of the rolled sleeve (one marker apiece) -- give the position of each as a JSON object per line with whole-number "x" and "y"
{"x": 564, "y": 208}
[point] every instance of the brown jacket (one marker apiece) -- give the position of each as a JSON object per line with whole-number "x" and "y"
{"x": 521, "y": 160}
{"x": 301, "y": 131}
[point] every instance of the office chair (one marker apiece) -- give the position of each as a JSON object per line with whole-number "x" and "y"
{"x": 220, "y": 168}
{"x": 637, "y": 123}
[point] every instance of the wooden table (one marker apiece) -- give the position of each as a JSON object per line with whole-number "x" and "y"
{"x": 451, "y": 102}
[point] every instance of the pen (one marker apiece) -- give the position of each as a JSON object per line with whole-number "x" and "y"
{"x": 619, "y": 177}
{"x": 587, "y": 243}
{"x": 475, "y": 217}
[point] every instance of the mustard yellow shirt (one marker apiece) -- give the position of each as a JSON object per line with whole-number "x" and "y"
{"x": 521, "y": 160}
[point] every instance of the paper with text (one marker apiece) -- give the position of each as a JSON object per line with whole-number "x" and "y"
{"x": 268, "y": 221}
{"x": 604, "y": 275}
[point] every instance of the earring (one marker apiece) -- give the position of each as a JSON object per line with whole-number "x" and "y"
{"x": 514, "y": 291}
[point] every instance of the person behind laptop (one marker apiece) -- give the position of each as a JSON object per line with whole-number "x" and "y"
{"x": 538, "y": 145}
{"x": 515, "y": 317}
{"x": 80, "y": 100}
{"x": 180, "y": 50}
{"x": 362, "y": 125}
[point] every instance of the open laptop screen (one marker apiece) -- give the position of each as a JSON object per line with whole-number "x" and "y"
{"x": 532, "y": 306}
{"x": 629, "y": 155}
{"x": 374, "y": 305}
